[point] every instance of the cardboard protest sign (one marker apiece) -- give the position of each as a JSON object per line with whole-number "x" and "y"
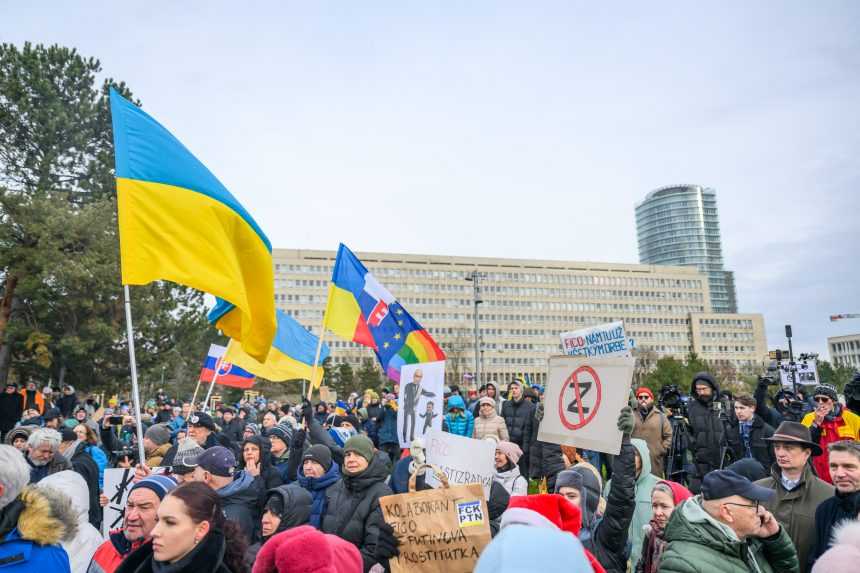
{"x": 419, "y": 405}
{"x": 462, "y": 460}
{"x": 441, "y": 530}
{"x": 117, "y": 483}
{"x": 602, "y": 340}
{"x": 582, "y": 401}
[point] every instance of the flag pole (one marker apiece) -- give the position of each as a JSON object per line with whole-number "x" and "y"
{"x": 317, "y": 356}
{"x": 214, "y": 379}
{"x": 135, "y": 391}
{"x": 194, "y": 396}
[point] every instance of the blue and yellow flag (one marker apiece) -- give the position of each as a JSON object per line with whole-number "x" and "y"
{"x": 291, "y": 358}
{"x": 178, "y": 223}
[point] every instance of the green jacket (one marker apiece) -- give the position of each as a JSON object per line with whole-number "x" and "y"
{"x": 795, "y": 509}
{"x": 642, "y": 513}
{"x": 698, "y": 542}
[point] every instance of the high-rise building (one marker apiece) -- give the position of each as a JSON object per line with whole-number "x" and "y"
{"x": 526, "y": 305}
{"x": 679, "y": 226}
{"x": 845, "y": 350}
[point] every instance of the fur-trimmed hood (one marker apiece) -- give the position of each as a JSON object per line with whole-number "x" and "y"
{"x": 47, "y": 516}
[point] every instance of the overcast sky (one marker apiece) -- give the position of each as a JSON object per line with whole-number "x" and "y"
{"x": 513, "y": 129}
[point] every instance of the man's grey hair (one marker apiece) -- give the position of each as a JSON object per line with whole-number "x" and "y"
{"x": 14, "y": 474}
{"x": 45, "y": 436}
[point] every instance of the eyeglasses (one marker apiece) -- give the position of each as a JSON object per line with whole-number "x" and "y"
{"x": 822, "y": 399}
{"x": 643, "y": 397}
{"x": 754, "y": 505}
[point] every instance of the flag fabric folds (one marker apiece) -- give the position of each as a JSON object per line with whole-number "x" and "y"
{"x": 291, "y": 357}
{"x": 177, "y": 222}
{"x": 228, "y": 374}
{"x": 361, "y": 310}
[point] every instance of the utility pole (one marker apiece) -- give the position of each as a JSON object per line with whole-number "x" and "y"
{"x": 792, "y": 369}
{"x": 475, "y": 278}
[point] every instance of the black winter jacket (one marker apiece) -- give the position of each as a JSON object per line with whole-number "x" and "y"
{"x": 86, "y": 466}
{"x": 207, "y": 556}
{"x": 240, "y": 499}
{"x": 545, "y": 461}
{"x": 11, "y": 408}
{"x": 519, "y": 418}
{"x": 352, "y": 508}
{"x": 706, "y": 435}
{"x": 761, "y": 450}
{"x": 829, "y": 514}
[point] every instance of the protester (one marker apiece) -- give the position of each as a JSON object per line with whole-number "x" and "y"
{"x": 280, "y": 436}
{"x": 798, "y": 492}
{"x": 653, "y": 426}
{"x": 68, "y": 401}
{"x": 352, "y": 504}
{"x": 192, "y": 535}
{"x": 74, "y": 451}
{"x": 86, "y": 539}
{"x": 306, "y": 550}
{"x": 488, "y": 423}
{"x": 11, "y": 408}
{"x": 507, "y": 470}
{"x": 202, "y": 429}
{"x": 830, "y": 422}
{"x": 52, "y": 418}
{"x": 156, "y": 444}
{"x": 645, "y": 482}
{"x": 317, "y": 473}
{"x": 727, "y": 529}
{"x": 285, "y": 507}
{"x": 706, "y": 427}
{"x": 257, "y": 461}
{"x": 88, "y": 437}
{"x": 749, "y": 468}
{"x": 665, "y": 497}
{"x": 519, "y": 416}
{"x": 43, "y": 445}
{"x": 185, "y": 459}
{"x": 524, "y": 548}
{"x": 458, "y": 420}
{"x": 234, "y": 427}
{"x": 138, "y": 520}
{"x": 268, "y": 421}
{"x": 215, "y": 467}
{"x": 32, "y": 398}
{"x": 845, "y": 505}
{"x": 387, "y": 424}
{"x": 844, "y": 552}
{"x": 747, "y": 435}
{"x": 18, "y": 436}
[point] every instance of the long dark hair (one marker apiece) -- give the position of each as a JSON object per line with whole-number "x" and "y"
{"x": 204, "y": 505}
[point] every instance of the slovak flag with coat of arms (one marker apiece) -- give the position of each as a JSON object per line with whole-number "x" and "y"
{"x": 228, "y": 374}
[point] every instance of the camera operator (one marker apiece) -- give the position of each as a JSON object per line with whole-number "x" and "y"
{"x": 852, "y": 394}
{"x": 673, "y": 405}
{"x": 706, "y": 425}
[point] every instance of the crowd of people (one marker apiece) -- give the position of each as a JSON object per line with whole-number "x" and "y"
{"x": 707, "y": 482}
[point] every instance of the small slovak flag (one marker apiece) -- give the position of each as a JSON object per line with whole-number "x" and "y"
{"x": 228, "y": 374}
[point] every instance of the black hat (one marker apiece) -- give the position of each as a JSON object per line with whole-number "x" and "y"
{"x": 225, "y": 409}
{"x": 282, "y": 431}
{"x": 320, "y": 454}
{"x": 203, "y": 420}
{"x": 217, "y": 460}
{"x": 52, "y": 414}
{"x": 68, "y": 435}
{"x": 795, "y": 433}
{"x": 720, "y": 484}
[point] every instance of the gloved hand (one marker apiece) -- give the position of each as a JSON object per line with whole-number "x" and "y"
{"x": 625, "y": 418}
{"x": 307, "y": 411}
{"x": 387, "y": 543}
{"x": 539, "y": 412}
{"x": 298, "y": 440}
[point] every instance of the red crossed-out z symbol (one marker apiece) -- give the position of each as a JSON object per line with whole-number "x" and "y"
{"x": 378, "y": 314}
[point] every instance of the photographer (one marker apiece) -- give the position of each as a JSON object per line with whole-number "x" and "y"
{"x": 673, "y": 405}
{"x": 706, "y": 425}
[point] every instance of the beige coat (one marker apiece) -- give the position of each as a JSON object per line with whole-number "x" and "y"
{"x": 494, "y": 426}
{"x": 656, "y": 430}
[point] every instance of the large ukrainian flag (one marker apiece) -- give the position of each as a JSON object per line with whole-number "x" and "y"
{"x": 177, "y": 222}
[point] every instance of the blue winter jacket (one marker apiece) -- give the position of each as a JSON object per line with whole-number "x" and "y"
{"x": 317, "y": 487}
{"x": 36, "y": 549}
{"x": 100, "y": 458}
{"x": 462, "y": 424}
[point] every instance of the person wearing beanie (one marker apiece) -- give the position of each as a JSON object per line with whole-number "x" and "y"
{"x": 547, "y": 513}
{"x": 653, "y": 426}
{"x": 706, "y": 428}
{"x": 488, "y": 423}
{"x": 305, "y": 550}
{"x": 352, "y": 503}
{"x": 156, "y": 443}
{"x": 139, "y": 519}
{"x": 607, "y": 537}
{"x": 285, "y": 507}
{"x": 280, "y": 436}
{"x": 507, "y": 471}
{"x": 665, "y": 497}
{"x": 829, "y": 422}
{"x": 251, "y": 429}
{"x": 203, "y": 430}
{"x": 519, "y": 414}
{"x": 184, "y": 461}
{"x": 317, "y": 473}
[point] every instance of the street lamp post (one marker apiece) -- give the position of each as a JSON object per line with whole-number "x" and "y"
{"x": 475, "y": 278}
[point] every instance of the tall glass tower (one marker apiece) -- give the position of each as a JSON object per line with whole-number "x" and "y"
{"x": 678, "y": 225}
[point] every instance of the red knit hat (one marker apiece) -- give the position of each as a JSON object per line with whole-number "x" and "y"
{"x": 679, "y": 492}
{"x": 305, "y": 550}
{"x": 644, "y": 390}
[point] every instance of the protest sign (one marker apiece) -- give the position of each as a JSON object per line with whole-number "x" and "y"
{"x": 462, "y": 460}
{"x": 807, "y": 372}
{"x": 117, "y": 483}
{"x": 419, "y": 405}
{"x": 602, "y": 340}
{"x": 441, "y": 530}
{"x": 582, "y": 401}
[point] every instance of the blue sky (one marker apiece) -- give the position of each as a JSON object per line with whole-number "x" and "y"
{"x": 513, "y": 129}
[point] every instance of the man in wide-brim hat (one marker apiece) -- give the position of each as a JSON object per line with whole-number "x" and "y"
{"x": 798, "y": 489}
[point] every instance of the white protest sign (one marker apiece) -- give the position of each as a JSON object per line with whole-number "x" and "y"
{"x": 419, "y": 405}
{"x": 117, "y": 483}
{"x": 582, "y": 401}
{"x": 464, "y": 460}
{"x": 807, "y": 373}
{"x": 602, "y": 340}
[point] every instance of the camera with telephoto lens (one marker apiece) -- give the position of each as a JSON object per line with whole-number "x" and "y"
{"x": 671, "y": 397}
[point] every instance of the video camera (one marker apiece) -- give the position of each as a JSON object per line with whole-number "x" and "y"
{"x": 672, "y": 398}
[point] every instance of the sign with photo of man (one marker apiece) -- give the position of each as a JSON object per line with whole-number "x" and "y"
{"x": 420, "y": 405}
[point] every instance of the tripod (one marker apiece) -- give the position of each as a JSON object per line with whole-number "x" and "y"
{"x": 676, "y": 457}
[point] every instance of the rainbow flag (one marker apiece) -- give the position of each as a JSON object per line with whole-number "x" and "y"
{"x": 361, "y": 310}
{"x": 178, "y": 223}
